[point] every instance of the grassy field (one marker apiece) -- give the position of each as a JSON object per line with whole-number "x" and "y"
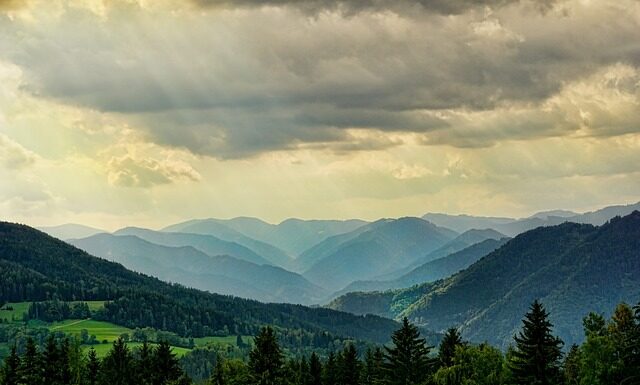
{"x": 102, "y": 330}
{"x": 15, "y": 315}
{"x": 103, "y": 349}
{"x": 20, "y": 308}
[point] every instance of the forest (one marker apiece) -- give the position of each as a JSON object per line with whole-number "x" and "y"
{"x": 610, "y": 354}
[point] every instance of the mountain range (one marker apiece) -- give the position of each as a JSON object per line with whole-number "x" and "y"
{"x": 572, "y": 268}
{"x": 512, "y": 226}
{"x": 191, "y": 267}
{"x": 372, "y": 250}
{"x": 38, "y": 267}
{"x": 315, "y": 261}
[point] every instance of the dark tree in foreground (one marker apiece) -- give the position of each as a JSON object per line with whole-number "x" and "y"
{"x": 93, "y": 367}
{"x": 30, "y": 365}
{"x": 349, "y": 367}
{"x": 118, "y": 365}
{"x": 315, "y": 370}
{"x": 265, "y": 360}
{"x": 165, "y": 365}
{"x": 450, "y": 341}
{"x": 408, "y": 360}
{"x": 536, "y": 358}
{"x": 572, "y": 366}
{"x": 10, "y": 370}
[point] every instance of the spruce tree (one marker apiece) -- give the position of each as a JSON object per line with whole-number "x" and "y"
{"x": 10, "y": 371}
{"x": 30, "y": 365}
{"x": 117, "y": 366}
{"x": 572, "y": 366}
{"x": 450, "y": 341}
{"x": 536, "y": 357}
{"x": 145, "y": 365}
{"x": 218, "y": 377}
{"x": 373, "y": 369}
{"x": 349, "y": 367}
{"x": 315, "y": 370}
{"x": 93, "y": 367}
{"x": 408, "y": 360}
{"x": 166, "y": 366}
{"x": 64, "y": 367}
{"x": 265, "y": 360}
{"x": 330, "y": 371}
{"x": 51, "y": 360}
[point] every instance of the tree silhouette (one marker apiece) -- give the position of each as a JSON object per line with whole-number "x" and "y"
{"x": 536, "y": 358}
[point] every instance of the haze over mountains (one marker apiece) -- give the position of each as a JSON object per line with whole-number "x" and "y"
{"x": 572, "y": 268}
{"x": 313, "y": 261}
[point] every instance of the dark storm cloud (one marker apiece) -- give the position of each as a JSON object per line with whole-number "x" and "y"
{"x": 236, "y": 84}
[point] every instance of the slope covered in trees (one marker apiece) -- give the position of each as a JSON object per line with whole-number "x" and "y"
{"x": 37, "y": 267}
{"x": 573, "y": 268}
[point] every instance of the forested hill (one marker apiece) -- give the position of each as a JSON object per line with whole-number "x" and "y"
{"x": 572, "y": 268}
{"x": 37, "y": 267}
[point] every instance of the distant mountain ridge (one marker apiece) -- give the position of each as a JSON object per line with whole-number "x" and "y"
{"x": 430, "y": 271}
{"x": 293, "y": 236}
{"x": 512, "y": 226}
{"x": 193, "y": 268}
{"x": 70, "y": 231}
{"x": 208, "y": 244}
{"x": 219, "y": 230}
{"x": 572, "y": 268}
{"x": 372, "y": 250}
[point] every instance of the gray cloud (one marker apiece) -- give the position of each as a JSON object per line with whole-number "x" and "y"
{"x": 234, "y": 84}
{"x": 356, "y": 6}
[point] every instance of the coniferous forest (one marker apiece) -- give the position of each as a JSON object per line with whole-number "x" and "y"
{"x": 610, "y": 354}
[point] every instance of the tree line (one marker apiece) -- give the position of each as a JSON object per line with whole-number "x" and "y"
{"x": 610, "y": 354}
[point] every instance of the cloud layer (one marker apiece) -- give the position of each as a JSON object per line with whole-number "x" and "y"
{"x": 345, "y": 102}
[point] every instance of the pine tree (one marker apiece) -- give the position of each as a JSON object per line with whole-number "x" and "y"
{"x": 572, "y": 366}
{"x": 329, "y": 374}
{"x": 145, "y": 366}
{"x": 10, "y": 371}
{"x": 536, "y": 358}
{"x": 349, "y": 367}
{"x": 51, "y": 360}
{"x": 408, "y": 360}
{"x": 315, "y": 370}
{"x": 30, "y": 366}
{"x": 631, "y": 355}
{"x": 93, "y": 367}
{"x": 64, "y": 367}
{"x": 166, "y": 366}
{"x": 117, "y": 366}
{"x": 373, "y": 370}
{"x": 450, "y": 341}
{"x": 218, "y": 377}
{"x": 265, "y": 360}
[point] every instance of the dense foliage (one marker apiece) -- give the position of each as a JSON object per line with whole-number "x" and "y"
{"x": 610, "y": 355}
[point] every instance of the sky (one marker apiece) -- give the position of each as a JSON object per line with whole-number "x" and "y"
{"x": 148, "y": 112}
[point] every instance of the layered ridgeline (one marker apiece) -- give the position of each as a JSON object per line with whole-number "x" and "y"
{"x": 572, "y": 268}
{"x": 512, "y": 227}
{"x": 431, "y": 271}
{"x": 208, "y": 244}
{"x": 371, "y": 250}
{"x": 191, "y": 267}
{"x": 38, "y": 267}
{"x": 292, "y": 236}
